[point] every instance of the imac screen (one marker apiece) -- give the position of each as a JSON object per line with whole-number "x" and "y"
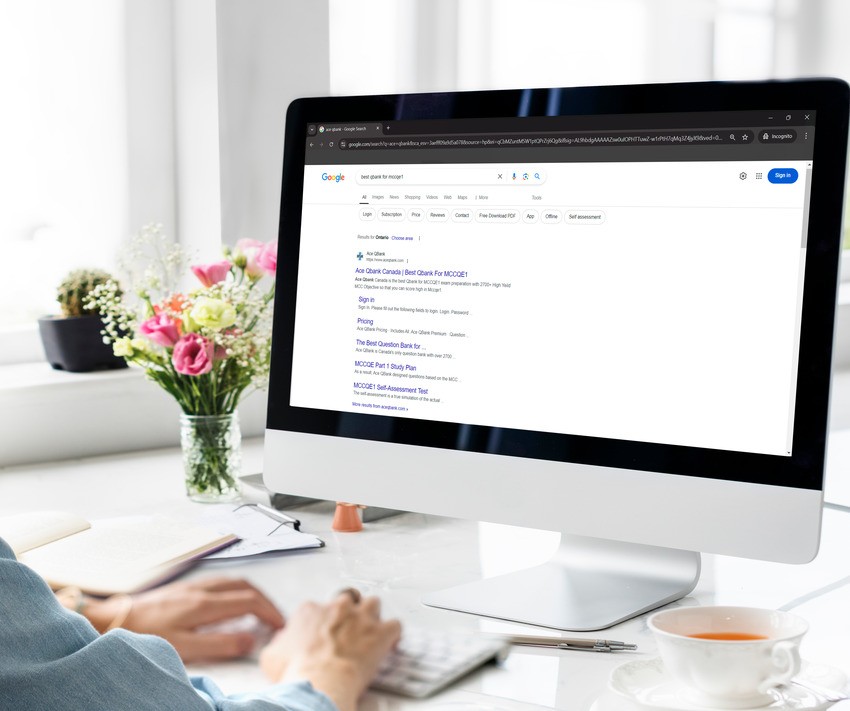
{"x": 636, "y": 279}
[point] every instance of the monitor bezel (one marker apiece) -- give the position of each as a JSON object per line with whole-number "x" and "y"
{"x": 804, "y": 469}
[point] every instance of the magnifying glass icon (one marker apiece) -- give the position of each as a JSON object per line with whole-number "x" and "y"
{"x": 732, "y": 136}
{"x": 537, "y": 176}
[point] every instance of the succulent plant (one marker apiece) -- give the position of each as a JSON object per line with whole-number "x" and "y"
{"x": 75, "y": 287}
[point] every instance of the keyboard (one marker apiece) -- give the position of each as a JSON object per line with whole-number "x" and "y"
{"x": 426, "y": 661}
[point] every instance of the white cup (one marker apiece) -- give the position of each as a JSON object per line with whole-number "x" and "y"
{"x": 723, "y": 673}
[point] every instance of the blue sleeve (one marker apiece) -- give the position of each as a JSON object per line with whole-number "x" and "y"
{"x": 295, "y": 696}
{"x": 52, "y": 658}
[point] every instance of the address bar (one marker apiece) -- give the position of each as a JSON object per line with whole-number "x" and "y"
{"x": 497, "y": 175}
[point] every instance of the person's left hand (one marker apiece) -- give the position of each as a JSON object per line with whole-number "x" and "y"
{"x": 177, "y": 611}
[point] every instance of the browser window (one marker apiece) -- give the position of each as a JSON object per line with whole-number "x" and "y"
{"x": 636, "y": 279}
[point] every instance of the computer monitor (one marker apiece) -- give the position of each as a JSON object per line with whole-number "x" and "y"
{"x": 603, "y": 311}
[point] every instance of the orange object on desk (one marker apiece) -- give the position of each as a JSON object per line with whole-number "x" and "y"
{"x": 347, "y": 518}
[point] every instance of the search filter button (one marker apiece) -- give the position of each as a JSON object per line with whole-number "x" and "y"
{"x": 782, "y": 175}
{"x": 391, "y": 214}
{"x": 584, "y": 217}
{"x": 496, "y": 215}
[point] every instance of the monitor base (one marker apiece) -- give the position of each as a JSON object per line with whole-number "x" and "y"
{"x": 589, "y": 584}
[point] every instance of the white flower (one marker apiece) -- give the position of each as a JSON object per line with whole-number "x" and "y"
{"x": 123, "y": 347}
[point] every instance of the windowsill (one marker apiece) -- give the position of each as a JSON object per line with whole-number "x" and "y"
{"x": 48, "y": 415}
{"x": 21, "y": 344}
{"x": 23, "y": 376}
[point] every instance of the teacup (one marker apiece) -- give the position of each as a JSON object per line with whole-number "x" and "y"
{"x": 729, "y": 657}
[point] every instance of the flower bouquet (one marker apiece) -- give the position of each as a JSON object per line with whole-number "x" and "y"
{"x": 206, "y": 346}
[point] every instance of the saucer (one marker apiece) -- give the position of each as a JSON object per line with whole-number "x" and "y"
{"x": 646, "y": 684}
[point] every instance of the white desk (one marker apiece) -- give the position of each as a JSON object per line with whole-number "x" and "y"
{"x": 400, "y": 557}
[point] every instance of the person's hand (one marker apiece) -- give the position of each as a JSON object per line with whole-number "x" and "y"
{"x": 177, "y": 611}
{"x": 336, "y": 646}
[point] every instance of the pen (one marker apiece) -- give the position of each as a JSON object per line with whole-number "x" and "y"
{"x": 588, "y": 645}
{"x": 279, "y": 516}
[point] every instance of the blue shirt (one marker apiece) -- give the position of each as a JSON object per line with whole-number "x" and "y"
{"x": 51, "y": 658}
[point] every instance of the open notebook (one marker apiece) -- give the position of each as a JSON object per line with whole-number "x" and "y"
{"x": 111, "y": 556}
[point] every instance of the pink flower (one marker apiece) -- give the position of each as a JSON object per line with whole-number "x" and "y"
{"x": 192, "y": 355}
{"x": 267, "y": 258}
{"x": 209, "y": 274}
{"x": 250, "y": 248}
{"x": 161, "y": 329}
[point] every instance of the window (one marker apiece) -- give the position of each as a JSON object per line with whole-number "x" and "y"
{"x": 88, "y": 145}
{"x": 63, "y": 173}
{"x": 433, "y": 45}
{"x": 415, "y": 45}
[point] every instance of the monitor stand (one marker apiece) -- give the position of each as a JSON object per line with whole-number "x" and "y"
{"x": 589, "y": 584}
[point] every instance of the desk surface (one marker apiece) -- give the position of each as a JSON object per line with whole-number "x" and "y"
{"x": 401, "y": 557}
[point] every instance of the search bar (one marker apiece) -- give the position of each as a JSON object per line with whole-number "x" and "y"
{"x": 505, "y": 175}
{"x": 672, "y": 137}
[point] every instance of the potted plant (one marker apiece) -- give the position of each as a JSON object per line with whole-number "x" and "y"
{"x": 74, "y": 340}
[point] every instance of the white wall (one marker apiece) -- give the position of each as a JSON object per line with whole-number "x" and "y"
{"x": 150, "y": 115}
{"x": 196, "y": 124}
{"x": 812, "y": 38}
{"x": 269, "y": 53}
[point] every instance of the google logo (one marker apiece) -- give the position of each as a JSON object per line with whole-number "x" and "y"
{"x": 333, "y": 178}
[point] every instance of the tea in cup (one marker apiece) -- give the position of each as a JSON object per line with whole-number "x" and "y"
{"x": 729, "y": 657}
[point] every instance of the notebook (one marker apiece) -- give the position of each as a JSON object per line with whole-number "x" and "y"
{"x": 109, "y": 556}
{"x": 258, "y": 533}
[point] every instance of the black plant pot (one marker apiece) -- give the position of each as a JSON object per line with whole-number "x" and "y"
{"x": 76, "y": 345}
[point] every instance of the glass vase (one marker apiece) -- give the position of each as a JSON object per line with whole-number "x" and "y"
{"x": 212, "y": 456}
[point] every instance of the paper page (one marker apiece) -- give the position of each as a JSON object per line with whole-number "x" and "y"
{"x": 256, "y": 531}
{"x": 26, "y": 531}
{"x": 122, "y": 555}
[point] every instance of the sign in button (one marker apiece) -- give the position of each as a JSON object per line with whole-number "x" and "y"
{"x": 782, "y": 175}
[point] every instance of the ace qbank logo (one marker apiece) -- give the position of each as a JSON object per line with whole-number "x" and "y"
{"x": 331, "y": 178}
